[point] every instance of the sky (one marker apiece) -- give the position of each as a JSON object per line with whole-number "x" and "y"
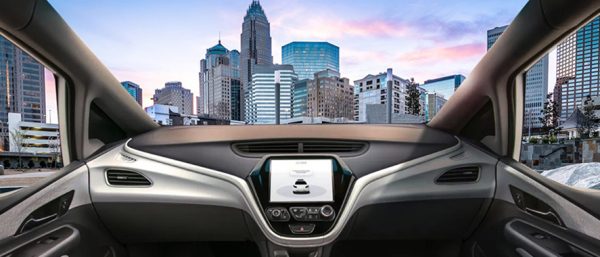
{"x": 151, "y": 42}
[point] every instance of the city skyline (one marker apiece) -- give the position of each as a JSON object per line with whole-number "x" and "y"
{"x": 427, "y": 41}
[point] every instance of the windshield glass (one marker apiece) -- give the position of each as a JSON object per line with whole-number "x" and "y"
{"x": 249, "y": 62}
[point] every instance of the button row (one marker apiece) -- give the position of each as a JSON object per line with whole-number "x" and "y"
{"x": 325, "y": 213}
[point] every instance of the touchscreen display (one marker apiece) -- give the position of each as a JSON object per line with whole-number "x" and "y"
{"x": 308, "y": 180}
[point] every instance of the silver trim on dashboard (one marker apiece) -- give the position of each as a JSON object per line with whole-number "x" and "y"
{"x": 255, "y": 212}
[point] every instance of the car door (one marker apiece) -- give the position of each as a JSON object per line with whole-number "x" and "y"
{"x": 532, "y": 213}
{"x": 52, "y": 215}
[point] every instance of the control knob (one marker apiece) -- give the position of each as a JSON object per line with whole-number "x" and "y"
{"x": 276, "y": 213}
{"x": 327, "y": 211}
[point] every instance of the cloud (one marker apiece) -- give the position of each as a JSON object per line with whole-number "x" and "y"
{"x": 440, "y": 54}
{"x": 327, "y": 28}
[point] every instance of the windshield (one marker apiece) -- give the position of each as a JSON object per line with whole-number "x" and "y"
{"x": 249, "y": 62}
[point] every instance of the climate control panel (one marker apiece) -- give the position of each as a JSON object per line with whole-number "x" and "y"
{"x": 301, "y": 213}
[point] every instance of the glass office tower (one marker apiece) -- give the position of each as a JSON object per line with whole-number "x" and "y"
{"x": 536, "y": 84}
{"x": 308, "y": 58}
{"x": 577, "y": 68}
{"x": 444, "y": 86}
{"x": 134, "y": 91}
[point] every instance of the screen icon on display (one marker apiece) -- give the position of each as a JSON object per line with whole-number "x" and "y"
{"x": 301, "y": 187}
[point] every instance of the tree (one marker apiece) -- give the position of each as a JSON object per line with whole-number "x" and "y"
{"x": 413, "y": 97}
{"x": 17, "y": 137}
{"x": 550, "y": 116}
{"x": 587, "y": 122}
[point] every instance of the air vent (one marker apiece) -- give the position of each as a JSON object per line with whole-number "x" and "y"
{"x": 460, "y": 175}
{"x": 332, "y": 147}
{"x": 267, "y": 147}
{"x": 313, "y": 146}
{"x": 126, "y": 178}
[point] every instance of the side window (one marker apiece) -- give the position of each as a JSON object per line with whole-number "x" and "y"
{"x": 30, "y": 148}
{"x": 561, "y": 115}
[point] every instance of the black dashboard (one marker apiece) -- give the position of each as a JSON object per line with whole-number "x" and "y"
{"x": 385, "y": 145}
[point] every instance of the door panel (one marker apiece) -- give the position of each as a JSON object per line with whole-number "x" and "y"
{"x": 528, "y": 219}
{"x": 76, "y": 181}
{"x": 56, "y": 220}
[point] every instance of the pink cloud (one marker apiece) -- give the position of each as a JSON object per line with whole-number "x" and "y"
{"x": 328, "y": 28}
{"x": 439, "y": 54}
{"x": 370, "y": 28}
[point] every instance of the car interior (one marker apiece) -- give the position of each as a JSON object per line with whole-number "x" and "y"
{"x": 452, "y": 187}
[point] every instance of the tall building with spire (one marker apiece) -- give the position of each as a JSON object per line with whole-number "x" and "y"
{"x": 255, "y": 45}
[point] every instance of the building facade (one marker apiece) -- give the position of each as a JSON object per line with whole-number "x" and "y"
{"x": 22, "y": 88}
{"x": 330, "y": 96}
{"x": 255, "y": 45}
{"x": 261, "y": 94}
{"x": 309, "y": 58}
{"x": 577, "y": 68}
{"x": 435, "y": 101}
{"x": 493, "y": 35}
{"x": 536, "y": 84}
{"x": 32, "y": 137}
{"x": 134, "y": 91}
{"x": 174, "y": 94}
{"x": 220, "y": 84}
{"x": 162, "y": 113}
{"x": 444, "y": 86}
{"x": 372, "y": 89}
{"x": 300, "y": 98}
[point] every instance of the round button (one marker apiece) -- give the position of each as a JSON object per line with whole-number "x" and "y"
{"x": 327, "y": 211}
{"x": 276, "y": 213}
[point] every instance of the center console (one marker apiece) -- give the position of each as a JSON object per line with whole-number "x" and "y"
{"x": 301, "y": 195}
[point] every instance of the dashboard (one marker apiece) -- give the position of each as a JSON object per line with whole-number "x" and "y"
{"x": 293, "y": 186}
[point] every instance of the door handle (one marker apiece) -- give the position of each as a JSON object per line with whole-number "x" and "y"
{"x": 547, "y": 215}
{"x": 32, "y": 222}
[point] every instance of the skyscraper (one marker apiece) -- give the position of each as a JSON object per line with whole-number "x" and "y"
{"x": 493, "y": 35}
{"x": 577, "y": 68}
{"x": 22, "y": 87}
{"x": 220, "y": 84}
{"x": 309, "y": 58}
{"x": 536, "y": 84}
{"x": 255, "y": 45}
{"x": 174, "y": 94}
{"x": 262, "y": 94}
{"x": 134, "y": 91}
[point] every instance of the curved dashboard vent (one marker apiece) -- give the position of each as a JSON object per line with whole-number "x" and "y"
{"x": 283, "y": 147}
{"x": 459, "y": 175}
{"x": 126, "y": 178}
{"x": 332, "y": 147}
{"x": 267, "y": 147}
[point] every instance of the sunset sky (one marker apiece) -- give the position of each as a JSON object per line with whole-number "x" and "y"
{"x": 152, "y": 42}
